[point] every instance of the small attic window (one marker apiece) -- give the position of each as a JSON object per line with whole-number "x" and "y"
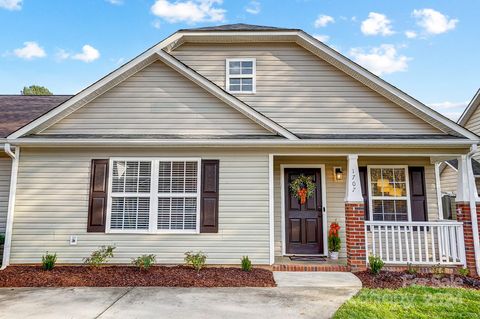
{"x": 240, "y": 75}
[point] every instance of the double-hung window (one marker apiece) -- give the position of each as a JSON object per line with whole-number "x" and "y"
{"x": 240, "y": 75}
{"x": 389, "y": 193}
{"x": 154, "y": 195}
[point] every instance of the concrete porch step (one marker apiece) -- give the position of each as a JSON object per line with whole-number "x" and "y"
{"x": 332, "y": 280}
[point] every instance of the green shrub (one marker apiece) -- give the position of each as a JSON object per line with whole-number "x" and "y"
{"x": 144, "y": 262}
{"x": 48, "y": 261}
{"x": 376, "y": 264}
{"x": 463, "y": 271}
{"x": 196, "y": 260}
{"x": 100, "y": 256}
{"x": 411, "y": 270}
{"x": 246, "y": 263}
{"x": 2, "y": 239}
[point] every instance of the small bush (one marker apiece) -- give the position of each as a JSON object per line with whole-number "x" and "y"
{"x": 463, "y": 271}
{"x": 334, "y": 242}
{"x": 100, "y": 256}
{"x": 48, "y": 261}
{"x": 2, "y": 239}
{"x": 411, "y": 270}
{"x": 376, "y": 264}
{"x": 144, "y": 262}
{"x": 196, "y": 260}
{"x": 246, "y": 263}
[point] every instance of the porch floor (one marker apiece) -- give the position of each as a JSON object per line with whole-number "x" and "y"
{"x": 283, "y": 263}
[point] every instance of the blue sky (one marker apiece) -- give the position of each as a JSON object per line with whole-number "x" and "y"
{"x": 429, "y": 49}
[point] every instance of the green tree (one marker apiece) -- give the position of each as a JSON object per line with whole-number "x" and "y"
{"x": 36, "y": 90}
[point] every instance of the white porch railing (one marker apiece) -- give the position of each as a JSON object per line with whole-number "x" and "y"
{"x": 417, "y": 243}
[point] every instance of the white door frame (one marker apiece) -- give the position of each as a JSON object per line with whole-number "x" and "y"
{"x": 324, "y": 203}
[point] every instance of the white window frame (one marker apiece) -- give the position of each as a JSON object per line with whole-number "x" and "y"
{"x": 242, "y": 76}
{"x": 154, "y": 195}
{"x": 407, "y": 186}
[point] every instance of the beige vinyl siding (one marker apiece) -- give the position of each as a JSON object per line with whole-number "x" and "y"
{"x": 157, "y": 100}
{"x": 52, "y": 201}
{"x": 473, "y": 123}
{"x": 5, "y": 172}
{"x": 448, "y": 180}
{"x": 335, "y": 191}
{"x": 302, "y": 92}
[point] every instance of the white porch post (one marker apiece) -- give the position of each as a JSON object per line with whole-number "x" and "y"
{"x": 462, "y": 180}
{"x": 353, "y": 191}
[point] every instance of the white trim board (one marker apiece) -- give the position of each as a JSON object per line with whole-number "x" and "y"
{"x": 324, "y": 203}
{"x": 470, "y": 109}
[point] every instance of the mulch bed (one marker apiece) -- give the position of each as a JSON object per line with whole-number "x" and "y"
{"x": 127, "y": 276}
{"x": 396, "y": 279}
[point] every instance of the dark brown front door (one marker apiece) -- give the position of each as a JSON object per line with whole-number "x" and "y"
{"x": 303, "y": 223}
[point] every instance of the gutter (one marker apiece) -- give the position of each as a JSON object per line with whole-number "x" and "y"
{"x": 231, "y": 142}
{"x": 11, "y": 203}
{"x": 473, "y": 196}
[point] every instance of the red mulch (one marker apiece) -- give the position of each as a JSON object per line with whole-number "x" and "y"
{"x": 125, "y": 276}
{"x": 396, "y": 279}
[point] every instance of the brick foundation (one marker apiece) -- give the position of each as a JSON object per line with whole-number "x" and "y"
{"x": 464, "y": 216}
{"x": 355, "y": 231}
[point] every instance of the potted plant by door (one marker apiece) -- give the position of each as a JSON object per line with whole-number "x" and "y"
{"x": 334, "y": 243}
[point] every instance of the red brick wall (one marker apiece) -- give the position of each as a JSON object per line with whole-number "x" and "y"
{"x": 355, "y": 231}
{"x": 464, "y": 216}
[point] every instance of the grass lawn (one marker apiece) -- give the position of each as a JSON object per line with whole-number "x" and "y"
{"x": 412, "y": 302}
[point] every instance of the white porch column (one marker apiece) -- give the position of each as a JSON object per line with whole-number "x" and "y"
{"x": 353, "y": 191}
{"x": 462, "y": 180}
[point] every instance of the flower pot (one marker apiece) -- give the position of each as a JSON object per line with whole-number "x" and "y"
{"x": 334, "y": 255}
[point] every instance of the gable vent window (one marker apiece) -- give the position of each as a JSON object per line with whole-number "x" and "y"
{"x": 240, "y": 75}
{"x": 157, "y": 195}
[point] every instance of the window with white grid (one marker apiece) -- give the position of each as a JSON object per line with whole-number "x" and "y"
{"x": 154, "y": 195}
{"x": 388, "y": 193}
{"x": 240, "y": 75}
{"x": 178, "y": 195}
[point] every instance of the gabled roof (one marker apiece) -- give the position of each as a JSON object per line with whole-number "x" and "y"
{"x": 472, "y": 106}
{"x": 19, "y": 110}
{"x": 244, "y": 33}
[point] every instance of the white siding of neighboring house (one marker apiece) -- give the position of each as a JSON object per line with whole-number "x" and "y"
{"x": 157, "y": 100}
{"x": 303, "y": 93}
{"x": 52, "y": 205}
{"x": 5, "y": 172}
{"x": 473, "y": 124}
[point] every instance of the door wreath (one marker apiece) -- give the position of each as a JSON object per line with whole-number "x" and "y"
{"x": 302, "y": 188}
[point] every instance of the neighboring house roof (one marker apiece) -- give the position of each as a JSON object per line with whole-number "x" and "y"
{"x": 472, "y": 106}
{"x": 19, "y": 110}
{"x": 475, "y": 166}
{"x": 239, "y": 27}
{"x": 244, "y": 33}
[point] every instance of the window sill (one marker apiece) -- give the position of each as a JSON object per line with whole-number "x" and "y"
{"x": 146, "y": 232}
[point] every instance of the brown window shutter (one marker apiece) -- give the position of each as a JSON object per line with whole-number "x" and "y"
{"x": 97, "y": 207}
{"x": 364, "y": 183}
{"x": 209, "y": 196}
{"x": 418, "y": 197}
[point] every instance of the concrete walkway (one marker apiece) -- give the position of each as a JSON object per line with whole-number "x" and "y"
{"x": 298, "y": 295}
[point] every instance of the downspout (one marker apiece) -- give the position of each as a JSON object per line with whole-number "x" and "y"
{"x": 472, "y": 189}
{"x": 11, "y": 203}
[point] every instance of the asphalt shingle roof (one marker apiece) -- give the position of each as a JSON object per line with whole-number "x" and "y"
{"x": 18, "y": 110}
{"x": 239, "y": 27}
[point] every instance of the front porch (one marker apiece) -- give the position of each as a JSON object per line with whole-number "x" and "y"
{"x": 396, "y": 215}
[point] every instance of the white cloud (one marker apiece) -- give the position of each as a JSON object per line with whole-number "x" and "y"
{"x": 381, "y": 60}
{"x": 434, "y": 22}
{"x": 410, "y": 34}
{"x": 88, "y": 54}
{"x": 191, "y": 11}
{"x": 321, "y": 37}
{"x": 375, "y": 24}
{"x": 62, "y": 54}
{"x": 30, "y": 51}
{"x": 449, "y": 105}
{"x": 253, "y": 7}
{"x": 323, "y": 21}
{"x": 115, "y": 2}
{"x": 11, "y": 4}
{"x": 156, "y": 24}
